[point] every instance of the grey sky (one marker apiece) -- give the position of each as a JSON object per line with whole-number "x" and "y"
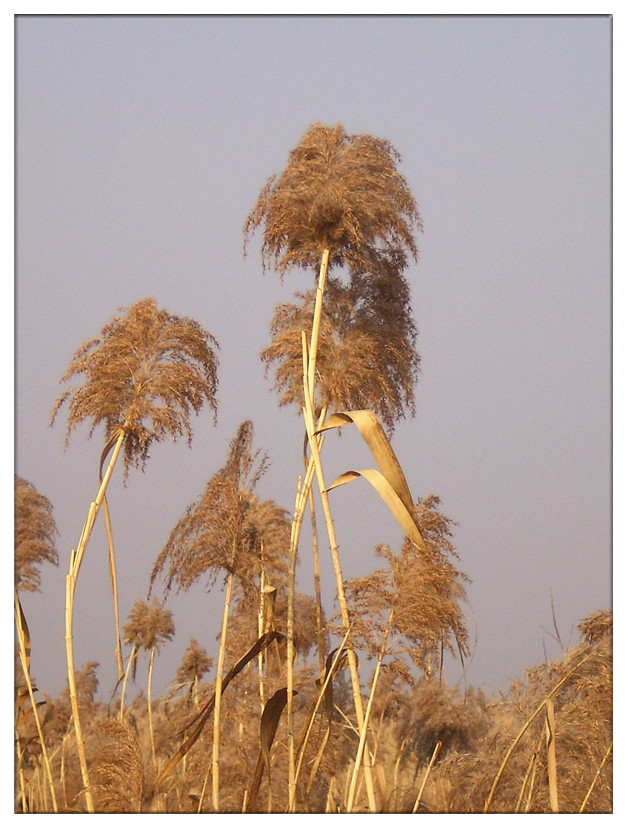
{"x": 142, "y": 144}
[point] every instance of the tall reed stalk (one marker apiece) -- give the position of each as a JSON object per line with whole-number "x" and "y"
{"x": 143, "y": 377}
{"x": 339, "y": 197}
{"x": 303, "y": 493}
{"x": 129, "y": 667}
{"x": 309, "y": 361}
{"x": 215, "y": 753}
{"x": 76, "y": 558}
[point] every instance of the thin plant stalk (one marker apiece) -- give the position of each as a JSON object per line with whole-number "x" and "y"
{"x": 596, "y": 777}
{"x": 529, "y": 780}
{"x": 318, "y": 594}
{"x": 531, "y": 784}
{"x": 21, "y": 635}
{"x": 289, "y": 666}
{"x": 260, "y": 631}
{"x": 203, "y": 790}
{"x": 303, "y": 490}
{"x": 359, "y": 711}
{"x": 316, "y": 552}
{"x": 523, "y": 787}
{"x": 434, "y": 756}
{"x": 20, "y": 773}
{"x": 550, "y": 750}
{"x": 315, "y": 330}
{"x": 76, "y": 557}
{"x": 321, "y": 693}
{"x": 62, "y": 769}
{"x": 364, "y": 730}
{"x": 131, "y": 658}
{"x": 397, "y": 765}
{"x": 20, "y": 770}
{"x": 215, "y": 757}
{"x": 150, "y": 722}
{"x": 114, "y": 589}
{"x": 309, "y": 383}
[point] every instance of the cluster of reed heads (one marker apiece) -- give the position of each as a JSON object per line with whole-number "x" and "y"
{"x": 344, "y": 353}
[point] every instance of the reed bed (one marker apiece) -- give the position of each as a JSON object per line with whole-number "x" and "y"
{"x": 287, "y": 715}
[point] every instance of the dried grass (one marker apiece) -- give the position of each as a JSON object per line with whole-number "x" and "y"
{"x": 339, "y": 192}
{"x": 145, "y": 374}
{"x": 425, "y": 590}
{"x": 366, "y": 349}
{"x": 35, "y": 533}
{"x": 580, "y": 685}
{"x": 227, "y": 528}
{"x": 117, "y": 768}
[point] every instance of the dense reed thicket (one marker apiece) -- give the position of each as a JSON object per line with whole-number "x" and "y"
{"x": 308, "y": 704}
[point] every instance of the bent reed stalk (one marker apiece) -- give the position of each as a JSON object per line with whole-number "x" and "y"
{"x": 76, "y": 557}
{"x": 114, "y": 589}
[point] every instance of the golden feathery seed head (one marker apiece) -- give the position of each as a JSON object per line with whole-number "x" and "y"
{"x": 35, "y": 532}
{"x": 145, "y": 374}
{"x": 339, "y": 192}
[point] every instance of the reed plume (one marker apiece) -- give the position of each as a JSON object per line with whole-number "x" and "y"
{"x": 142, "y": 379}
{"x": 227, "y": 529}
{"x": 339, "y": 192}
{"x": 34, "y": 535}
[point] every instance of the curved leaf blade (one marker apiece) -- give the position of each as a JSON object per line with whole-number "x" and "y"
{"x": 389, "y": 496}
{"x": 373, "y": 433}
{"x": 201, "y": 718}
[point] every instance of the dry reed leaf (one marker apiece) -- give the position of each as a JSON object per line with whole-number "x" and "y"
{"x": 270, "y": 719}
{"x": 267, "y": 731}
{"x": 373, "y": 433}
{"x": 201, "y": 719}
{"x": 389, "y": 496}
{"x": 29, "y": 712}
{"x": 21, "y": 697}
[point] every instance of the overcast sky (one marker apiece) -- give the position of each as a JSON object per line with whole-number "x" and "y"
{"x": 142, "y": 143}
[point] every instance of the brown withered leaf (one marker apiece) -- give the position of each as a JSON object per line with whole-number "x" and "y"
{"x": 267, "y": 731}
{"x": 374, "y": 434}
{"x": 200, "y": 720}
